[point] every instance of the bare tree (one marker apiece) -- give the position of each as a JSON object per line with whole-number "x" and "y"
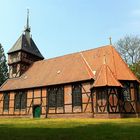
{"x": 129, "y": 48}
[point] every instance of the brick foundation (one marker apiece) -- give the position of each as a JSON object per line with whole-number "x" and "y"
{"x": 115, "y": 116}
{"x": 16, "y": 116}
{"x": 76, "y": 115}
{"x": 107, "y": 116}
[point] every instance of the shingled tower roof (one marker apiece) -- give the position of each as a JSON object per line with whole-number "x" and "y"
{"x": 26, "y": 43}
{"x": 22, "y": 44}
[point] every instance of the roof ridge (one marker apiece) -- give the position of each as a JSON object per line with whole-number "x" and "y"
{"x": 98, "y": 76}
{"x": 106, "y": 73}
{"x": 97, "y": 48}
{"x": 88, "y": 66}
{"x": 113, "y": 74}
{"x": 73, "y": 53}
{"x": 114, "y": 61}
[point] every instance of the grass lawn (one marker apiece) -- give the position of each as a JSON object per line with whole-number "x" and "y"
{"x": 69, "y": 129}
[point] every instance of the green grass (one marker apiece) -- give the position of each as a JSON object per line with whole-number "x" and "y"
{"x": 69, "y": 129}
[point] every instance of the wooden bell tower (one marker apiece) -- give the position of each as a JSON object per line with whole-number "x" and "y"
{"x": 23, "y": 53}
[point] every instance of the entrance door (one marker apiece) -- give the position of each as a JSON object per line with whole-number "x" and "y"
{"x": 36, "y": 111}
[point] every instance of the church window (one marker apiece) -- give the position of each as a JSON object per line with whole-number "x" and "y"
{"x": 60, "y": 97}
{"x": 56, "y": 97}
{"x": 126, "y": 92}
{"x": 17, "y": 101}
{"x": 52, "y": 97}
{"x": 101, "y": 95}
{"x": 6, "y": 102}
{"x": 20, "y": 100}
{"x": 23, "y": 100}
{"x": 76, "y": 95}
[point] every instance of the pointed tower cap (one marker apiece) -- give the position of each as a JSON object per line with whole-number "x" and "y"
{"x": 27, "y": 27}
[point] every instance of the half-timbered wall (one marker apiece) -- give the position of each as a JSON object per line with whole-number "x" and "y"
{"x": 130, "y": 98}
{"x": 83, "y": 90}
{"x": 101, "y": 101}
{"x": 61, "y": 99}
{"x": 19, "y": 62}
{"x": 123, "y": 100}
{"x": 41, "y": 97}
{"x": 14, "y": 57}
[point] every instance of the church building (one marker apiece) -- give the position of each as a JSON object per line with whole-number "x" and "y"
{"x": 95, "y": 83}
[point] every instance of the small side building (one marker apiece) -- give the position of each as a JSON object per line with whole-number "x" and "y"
{"x": 95, "y": 83}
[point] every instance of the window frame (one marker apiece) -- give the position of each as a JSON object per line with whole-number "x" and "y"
{"x": 60, "y": 95}
{"x": 51, "y": 97}
{"x": 54, "y": 94}
{"x": 77, "y": 99}
{"x": 23, "y": 105}
{"x": 4, "y": 102}
{"x": 18, "y": 100}
{"x": 126, "y": 92}
{"x": 101, "y": 95}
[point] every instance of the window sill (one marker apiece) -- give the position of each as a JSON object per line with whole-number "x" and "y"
{"x": 5, "y": 110}
{"x": 20, "y": 109}
{"x": 78, "y": 106}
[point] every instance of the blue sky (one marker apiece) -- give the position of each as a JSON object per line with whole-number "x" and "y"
{"x": 65, "y": 26}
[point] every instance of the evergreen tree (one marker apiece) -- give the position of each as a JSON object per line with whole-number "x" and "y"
{"x": 3, "y": 66}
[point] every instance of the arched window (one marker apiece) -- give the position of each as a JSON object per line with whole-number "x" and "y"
{"x": 76, "y": 95}
{"x": 20, "y": 100}
{"x": 6, "y": 102}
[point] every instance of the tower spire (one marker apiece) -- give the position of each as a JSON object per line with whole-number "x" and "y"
{"x": 27, "y": 18}
{"x": 27, "y": 28}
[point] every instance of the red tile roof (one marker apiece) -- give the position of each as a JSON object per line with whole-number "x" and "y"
{"x": 105, "y": 77}
{"x": 71, "y": 68}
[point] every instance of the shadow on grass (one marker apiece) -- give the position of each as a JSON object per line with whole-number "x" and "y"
{"x": 103, "y": 131}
